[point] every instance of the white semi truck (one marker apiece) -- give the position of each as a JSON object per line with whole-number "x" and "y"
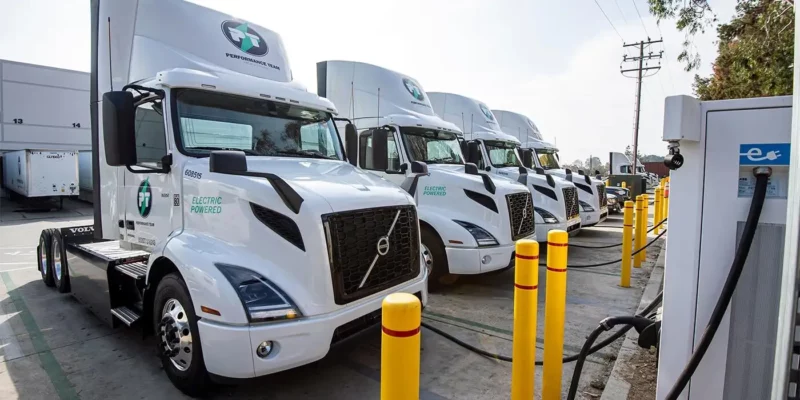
{"x": 469, "y": 220}
{"x": 621, "y": 164}
{"x": 591, "y": 191}
{"x": 227, "y": 220}
{"x": 555, "y": 199}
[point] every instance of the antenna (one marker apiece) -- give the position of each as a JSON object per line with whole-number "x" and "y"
{"x": 352, "y": 100}
{"x": 379, "y": 108}
{"x": 472, "y": 124}
{"x": 110, "y": 74}
{"x": 462, "y": 121}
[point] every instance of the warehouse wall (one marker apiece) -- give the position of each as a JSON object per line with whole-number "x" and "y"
{"x": 43, "y": 108}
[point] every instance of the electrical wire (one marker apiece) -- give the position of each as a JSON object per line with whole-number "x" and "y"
{"x": 640, "y": 19}
{"x": 581, "y": 246}
{"x": 742, "y": 251}
{"x": 609, "y": 21}
{"x": 495, "y": 356}
{"x": 605, "y": 325}
{"x": 615, "y": 261}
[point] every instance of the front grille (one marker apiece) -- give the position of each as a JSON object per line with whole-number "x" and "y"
{"x": 353, "y": 238}
{"x": 601, "y": 191}
{"x": 571, "y": 205}
{"x": 520, "y": 209}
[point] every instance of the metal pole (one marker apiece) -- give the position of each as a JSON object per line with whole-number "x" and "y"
{"x": 638, "y": 107}
{"x": 788, "y": 297}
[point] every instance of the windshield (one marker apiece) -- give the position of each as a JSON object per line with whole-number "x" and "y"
{"x": 502, "y": 154}
{"x": 432, "y": 147}
{"x": 548, "y": 158}
{"x": 214, "y": 121}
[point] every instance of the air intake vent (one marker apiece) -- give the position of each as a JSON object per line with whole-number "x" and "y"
{"x": 284, "y": 226}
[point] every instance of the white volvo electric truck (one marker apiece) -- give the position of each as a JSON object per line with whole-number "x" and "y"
{"x": 469, "y": 220}
{"x": 591, "y": 191}
{"x": 227, "y": 219}
{"x": 555, "y": 199}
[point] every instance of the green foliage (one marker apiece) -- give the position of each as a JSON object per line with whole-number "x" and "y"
{"x": 691, "y": 16}
{"x": 756, "y": 53}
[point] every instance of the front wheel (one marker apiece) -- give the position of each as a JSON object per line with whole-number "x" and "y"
{"x": 178, "y": 337}
{"x": 435, "y": 258}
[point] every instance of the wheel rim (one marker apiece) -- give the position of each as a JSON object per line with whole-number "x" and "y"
{"x": 427, "y": 257}
{"x": 175, "y": 334}
{"x": 42, "y": 258}
{"x": 57, "y": 258}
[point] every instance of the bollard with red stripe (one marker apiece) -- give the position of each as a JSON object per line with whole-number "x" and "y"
{"x": 526, "y": 292}
{"x": 627, "y": 238}
{"x": 555, "y": 313}
{"x": 400, "y": 347}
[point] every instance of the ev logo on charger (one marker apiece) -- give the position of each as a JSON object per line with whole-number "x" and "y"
{"x": 764, "y": 154}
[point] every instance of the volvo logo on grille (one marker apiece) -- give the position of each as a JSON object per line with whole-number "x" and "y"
{"x": 383, "y": 248}
{"x": 383, "y": 245}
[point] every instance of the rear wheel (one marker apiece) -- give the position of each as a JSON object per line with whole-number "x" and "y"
{"x": 60, "y": 271}
{"x": 44, "y": 257}
{"x": 435, "y": 258}
{"x": 178, "y": 337}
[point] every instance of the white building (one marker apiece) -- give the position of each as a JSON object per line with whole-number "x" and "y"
{"x": 43, "y": 108}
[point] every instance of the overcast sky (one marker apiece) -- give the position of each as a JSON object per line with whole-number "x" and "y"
{"x": 557, "y": 62}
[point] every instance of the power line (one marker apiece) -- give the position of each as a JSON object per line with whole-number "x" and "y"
{"x": 621, "y": 13}
{"x": 609, "y": 20}
{"x": 666, "y": 59}
{"x": 640, "y": 18}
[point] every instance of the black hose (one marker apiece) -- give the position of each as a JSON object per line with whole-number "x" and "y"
{"x": 730, "y": 285}
{"x": 605, "y": 325}
{"x": 616, "y": 244}
{"x": 650, "y": 307}
{"x": 615, "y": 261}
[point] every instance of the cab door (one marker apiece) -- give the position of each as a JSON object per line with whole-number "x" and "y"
{"x": 396, "y": 172}
{"x": 150, "y": 198}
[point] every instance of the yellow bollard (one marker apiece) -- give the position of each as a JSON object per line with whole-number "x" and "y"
{"x": 637, "y": 244}
{"x": 555, "y": 308}
{"x": 400, "y": 347}
{"x": 627, "y": 238}
{"x": 526, "y": 293}
{"x": 646, "y": 215}
{"x": 665, "y": 211}
{"x": 624, "y": 185}
{"x": 657, "y": 210}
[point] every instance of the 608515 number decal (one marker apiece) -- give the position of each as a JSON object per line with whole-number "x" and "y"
{"x": 193, "y": 174}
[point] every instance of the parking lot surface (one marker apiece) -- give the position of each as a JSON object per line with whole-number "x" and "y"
{"x": 52, "y": 347}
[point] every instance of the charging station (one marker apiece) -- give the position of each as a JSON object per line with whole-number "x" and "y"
{"x": 715, "y": 146}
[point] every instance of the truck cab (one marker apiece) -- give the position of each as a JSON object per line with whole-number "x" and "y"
{"x": 228, "y": 222}
{"x": 591, "y": 192}
{"x": 555, "y": 200}
{"x": 469, "y": 220}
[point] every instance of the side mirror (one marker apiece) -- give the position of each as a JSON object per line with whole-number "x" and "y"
{"x": 539, "y": 170}
{"x": 527, "y": 158}
{"x": 473, "y": 152}
{"x": 229, "y": 162}
{"x": 597, "y": 172}
{"x": 119, "y": 137}
{"x": 351, "y": 144}
{"x": 380, "y": 149}
{"x": 418, "y": 167}
{"x": 470, "y": 169}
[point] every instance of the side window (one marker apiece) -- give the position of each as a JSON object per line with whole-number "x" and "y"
{"x": 151, "y": 138}
{"x": 365, "y": 152}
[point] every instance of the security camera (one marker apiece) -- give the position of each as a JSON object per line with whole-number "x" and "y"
{"x": 673, "y": 161}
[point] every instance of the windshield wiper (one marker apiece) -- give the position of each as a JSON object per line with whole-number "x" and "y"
{"x": 448, "y": 160}
{"x": 304, "y": 153}
{"x": 249, "y": 152}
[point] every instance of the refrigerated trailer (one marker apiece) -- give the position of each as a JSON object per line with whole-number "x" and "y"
{"x": 228, "y": 222}
{"x": 41, "y": 173}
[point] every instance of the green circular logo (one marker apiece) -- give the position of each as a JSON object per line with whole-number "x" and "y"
{"x": 414, "y": 89}
{"x": 486, "y": 112}
{"x": 144, "y": 198}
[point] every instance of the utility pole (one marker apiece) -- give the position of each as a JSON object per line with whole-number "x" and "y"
{"x": 643, "y": 60}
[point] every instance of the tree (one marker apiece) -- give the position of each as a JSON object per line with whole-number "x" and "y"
{"x": 695, "y": 16}
{"x": 756, "y": 53}
{"x": 595, "y": 164}
{"x": 652, "y": 158}
{"x": 629, "y": 153}
{"x": 575, "y": 165}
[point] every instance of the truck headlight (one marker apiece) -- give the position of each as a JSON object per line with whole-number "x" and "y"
{"x": 585, "y": 206}
{"x": 547, "y": 216}
{"x": 612, "y": 200}
{"x": 481, "y": 236}
{"x": 262, "y": 300}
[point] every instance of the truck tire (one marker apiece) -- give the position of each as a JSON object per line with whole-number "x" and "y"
{"x": 59, "y": 257}
{"x": 44, "y": 257}
{"x": 435, "y": 259}
{"x": 178, "y": 338}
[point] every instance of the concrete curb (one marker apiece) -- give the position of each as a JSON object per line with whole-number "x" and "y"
{"x": 617, "y": 387}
